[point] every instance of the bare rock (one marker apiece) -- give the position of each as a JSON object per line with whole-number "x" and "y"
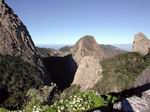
{"x": 133, "y": 104}
{"x": 88, "y": 73}
{"x": 143, "y": 78}
{"x": 87, "y": 46}
{"x": 15, "y": 39}
{"x": 146, "y": 96}
{"x": 141, "y": 44}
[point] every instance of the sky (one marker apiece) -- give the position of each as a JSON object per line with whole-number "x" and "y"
{"x": 65, "y": 21}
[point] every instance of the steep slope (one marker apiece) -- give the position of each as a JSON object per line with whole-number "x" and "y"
{"x": 16, "y": 77}
{"x": 15, "y": 39}
{"x": 21, "y": 66}
{"x": 61, "y": 70}
{"x": 120, "y": 72}
{"x": 141, "y": 44}
{"x": 143, "y": 78}
{"x": 88, "y": 73}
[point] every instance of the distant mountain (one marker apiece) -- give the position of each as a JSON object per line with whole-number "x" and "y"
{"x": 112, "y": 50}
{"x": 89, "y": 46}
{"x": 53, "y": 46}
{"x": 126, "y": 47}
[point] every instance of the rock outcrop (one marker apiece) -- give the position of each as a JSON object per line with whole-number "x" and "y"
{"x": 15, "y": 39}
{"x": 143, "y": 78}
{"x": 141, "y": 44}
{"x": 135, "y": 104}
{"x": 87, "y": 46}
{"x": 88, "y": 73}
{"x": 88, "y": 54}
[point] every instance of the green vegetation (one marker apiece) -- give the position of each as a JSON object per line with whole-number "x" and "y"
{"x": 25, "y": 89}
{"x": 16, "y": 77}
{"x": 3, "y": 110}
{"x": 79, "y": 101}
{"x": 120, "y": 72}
{"x": 74, "y": 101}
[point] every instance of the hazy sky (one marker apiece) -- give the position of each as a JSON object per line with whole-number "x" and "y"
{"x": 65, "y": 21}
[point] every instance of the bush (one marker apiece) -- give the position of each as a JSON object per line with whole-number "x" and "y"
{"x": 79, "y": 102}
{"x": 120, "y": 72}
{"x": 35, "y": 105}
{"x": 3, "y": 110}
{"x": 16, "y": 77}
{"x": 71, "y": 91}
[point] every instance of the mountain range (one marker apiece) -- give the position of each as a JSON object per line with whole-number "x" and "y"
{"x": 87, "y": 76}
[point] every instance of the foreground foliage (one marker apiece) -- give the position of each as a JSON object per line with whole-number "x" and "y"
{"x": 79, "y": 101}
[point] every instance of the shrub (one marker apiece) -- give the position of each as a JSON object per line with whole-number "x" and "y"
{"x": 71, "y": 91}
{"x": 3, "y": 110}
{"x": 16, "y": 77}
{"x": 120, "y": 72}
{"x": 79, "y": 102}
{"x": 35, "y": 105}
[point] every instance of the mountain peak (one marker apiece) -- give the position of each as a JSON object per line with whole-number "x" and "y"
{"x": 141, "y": 44}
{"x": 87, "y": 37}
{"x": 15, "y": 39}
{"x": 87, "y": 46}
{"x": 140, "y": 36}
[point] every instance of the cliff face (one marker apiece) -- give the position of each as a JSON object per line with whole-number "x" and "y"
{"x": 61, "y": 70}
{"x": 143, "y": 78}
{"x": 87, "y": 46}
{"x": 21, "y": 67}
{"x": 88, "y": 73}
{"x": 141, "y": 44}
{"x": 15, "y": 39}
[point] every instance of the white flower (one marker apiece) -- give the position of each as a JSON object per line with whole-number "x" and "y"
{"x": 62, "y": 108}
{"x": 59, "y": 110}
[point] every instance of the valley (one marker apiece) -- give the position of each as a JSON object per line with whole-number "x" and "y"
{"x": 85, "y": 77}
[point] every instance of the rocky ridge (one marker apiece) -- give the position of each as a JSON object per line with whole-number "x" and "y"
{"x": 15, "y": 39}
